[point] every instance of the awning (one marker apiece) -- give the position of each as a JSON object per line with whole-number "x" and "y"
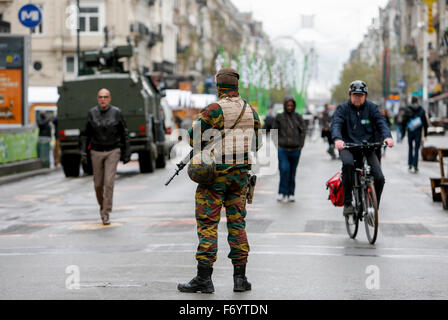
{"x": 42, "y": 95}
{"x": 178, "y": 99}
{"x": 199, "y": 101}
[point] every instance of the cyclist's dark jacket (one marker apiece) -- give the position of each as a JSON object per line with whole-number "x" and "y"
{"x": 354, "y": 125}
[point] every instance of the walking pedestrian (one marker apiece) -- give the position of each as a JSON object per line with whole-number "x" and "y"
{"x": 106, "y": 134}
{"x": 43, "y": 122}
{"x": 398, "y": 121}
{"x": 228, "y": 186}
{"x": 57, "y": 144}
{"x": 325, "y": 123}
{"x": 269, "y": 120}
{"x": 291, "y": 138}
{"x": 416, "y": 124}
{"x": 44, "y": 139}
{"x": 381, "y": 152}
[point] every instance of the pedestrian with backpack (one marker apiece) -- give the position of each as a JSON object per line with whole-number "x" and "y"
{"x": 416, "y": 124}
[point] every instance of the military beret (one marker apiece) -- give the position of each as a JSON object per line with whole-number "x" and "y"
{"x": 227, "y": 76}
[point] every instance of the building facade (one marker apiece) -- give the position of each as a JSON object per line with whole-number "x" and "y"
{"x": 102, "y": 23}
{"x": 177, "y": 41}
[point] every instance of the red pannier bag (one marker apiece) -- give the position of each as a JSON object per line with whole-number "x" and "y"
{"x": 336, "y": 191}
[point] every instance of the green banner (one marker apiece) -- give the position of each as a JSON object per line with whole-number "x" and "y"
{"x": 18, "y": 146}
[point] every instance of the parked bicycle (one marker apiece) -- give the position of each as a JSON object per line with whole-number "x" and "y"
{"x": 364, "y": 196}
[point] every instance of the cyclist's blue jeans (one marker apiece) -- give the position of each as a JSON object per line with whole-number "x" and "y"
{"x": 348, "y": 171}
{"x": 414, "y": 140}
{"x": 287, "y": 163}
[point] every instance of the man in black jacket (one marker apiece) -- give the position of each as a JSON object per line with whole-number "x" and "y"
{"x": 107, "y": 135}
{"x": 414, "y": 122}
{"x": 291, "y": 138}
{"x": 356, "y": 121}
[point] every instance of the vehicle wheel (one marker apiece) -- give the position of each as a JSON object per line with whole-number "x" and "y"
{"x": 146, "y": 161}
{"x": 371, "y": 218}
{"x": 70, "y": 164}
{"x": 87, "y": 168}
{"x": 352, "y": 221}
{"x": 161, "y": 161}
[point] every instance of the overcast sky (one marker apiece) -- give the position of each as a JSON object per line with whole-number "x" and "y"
{"x": 339, "y": 26}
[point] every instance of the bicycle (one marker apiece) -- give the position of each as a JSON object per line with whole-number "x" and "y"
{"x": 364, "y": 196}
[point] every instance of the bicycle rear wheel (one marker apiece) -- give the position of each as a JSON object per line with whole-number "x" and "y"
{"x": 352, "y": 221}
{"x": 371, "y": 217}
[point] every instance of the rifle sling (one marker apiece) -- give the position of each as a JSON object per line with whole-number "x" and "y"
{"x": 192, "y": 154}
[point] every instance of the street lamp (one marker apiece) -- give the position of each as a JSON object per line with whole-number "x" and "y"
{"x": 78, "y": 48}
{"x": 426, "y": 28}
{"x": 422, "y": 26}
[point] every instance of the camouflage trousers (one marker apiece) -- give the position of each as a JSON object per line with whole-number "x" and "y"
{"x": 229, "y": 190}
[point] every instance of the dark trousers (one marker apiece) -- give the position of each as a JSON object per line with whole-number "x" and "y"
{"x": 288, "y": 161}
{"x": 348, "y": 172}
{"x": 414, "y": 141}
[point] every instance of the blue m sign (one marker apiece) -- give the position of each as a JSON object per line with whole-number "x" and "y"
{"x": 30, "y": 16}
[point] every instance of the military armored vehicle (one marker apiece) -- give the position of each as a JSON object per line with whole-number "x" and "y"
{"x": 136, "y": 95}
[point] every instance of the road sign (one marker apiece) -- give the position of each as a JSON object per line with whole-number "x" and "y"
{"x": 401, "y": 84}
{"x": 30, "y": 16}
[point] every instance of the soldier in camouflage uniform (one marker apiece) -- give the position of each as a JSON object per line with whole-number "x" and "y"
{"x": 230, "y": 186}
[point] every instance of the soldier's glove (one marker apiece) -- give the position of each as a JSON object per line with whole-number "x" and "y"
{"x": 84, "y": 158}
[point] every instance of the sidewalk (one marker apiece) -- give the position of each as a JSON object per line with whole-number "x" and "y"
{"x": 12, "y": 172}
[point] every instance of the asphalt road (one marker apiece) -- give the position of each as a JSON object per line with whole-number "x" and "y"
{"x": 51, "y": 237}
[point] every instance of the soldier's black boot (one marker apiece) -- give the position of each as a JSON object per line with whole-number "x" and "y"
{"x": 240, "y": 283}
{"x": 201, "y": 283}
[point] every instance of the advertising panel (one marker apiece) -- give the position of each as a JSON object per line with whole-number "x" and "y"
{"x": 18, "y": 146}
{"x": 11, "y": 96}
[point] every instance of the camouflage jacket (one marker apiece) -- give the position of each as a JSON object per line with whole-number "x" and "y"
{"x": 212, "y": 117}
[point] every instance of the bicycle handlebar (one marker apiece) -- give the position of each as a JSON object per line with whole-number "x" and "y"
{"x": 365, "y": 145}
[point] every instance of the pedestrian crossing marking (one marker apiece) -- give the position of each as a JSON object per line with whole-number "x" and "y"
{"x": 29, "y": 197}
{"x": 434, "y": 236}
{"x": 54, "y": 200}
{"x": 124, "y": 208}
{"x": 96, "y": 226}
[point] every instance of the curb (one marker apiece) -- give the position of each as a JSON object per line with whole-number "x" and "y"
{"x": 28, "y": 174}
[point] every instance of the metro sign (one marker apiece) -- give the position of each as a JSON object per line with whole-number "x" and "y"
{"x": 30, "y": 16}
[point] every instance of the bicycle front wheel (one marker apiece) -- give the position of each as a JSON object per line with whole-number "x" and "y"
{"x": 371, "y": 214}
{"x": 352, "y": 221}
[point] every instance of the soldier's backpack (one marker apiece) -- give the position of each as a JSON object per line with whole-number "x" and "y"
{"x": 336, "y": 191}
{"x": 204, "y": 172}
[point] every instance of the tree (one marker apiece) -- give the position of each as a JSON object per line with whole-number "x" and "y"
{"x": 356, "y": 69}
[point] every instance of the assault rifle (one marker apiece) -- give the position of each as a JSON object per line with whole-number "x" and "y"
{"x": 181, "y": 165}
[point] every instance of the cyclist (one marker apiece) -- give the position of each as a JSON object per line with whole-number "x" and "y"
{"x": 357, "y": 121}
